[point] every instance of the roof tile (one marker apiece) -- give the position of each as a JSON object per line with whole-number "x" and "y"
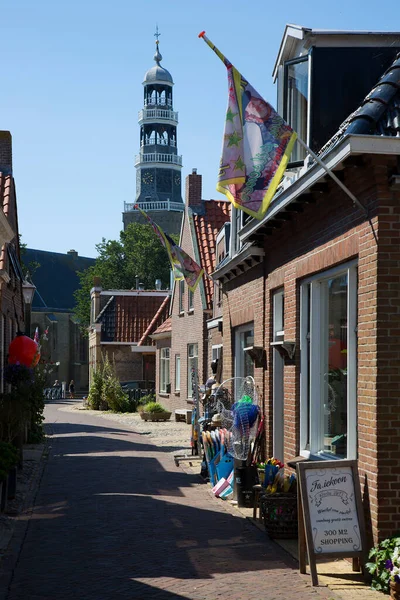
{"x": 207, "y": 226}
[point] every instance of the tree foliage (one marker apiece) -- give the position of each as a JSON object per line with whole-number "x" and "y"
{"x": 138, "y": 252}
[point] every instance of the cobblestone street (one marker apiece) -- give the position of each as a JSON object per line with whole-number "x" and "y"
{"x": 115, "y": 518}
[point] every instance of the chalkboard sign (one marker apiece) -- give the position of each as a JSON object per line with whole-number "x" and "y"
{"x": 332, "y": 510}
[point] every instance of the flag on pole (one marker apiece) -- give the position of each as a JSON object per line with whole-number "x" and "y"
{"x": 256, "y": 147}
{"x": 183, "y": 266}
{"x": 36, "y": 336}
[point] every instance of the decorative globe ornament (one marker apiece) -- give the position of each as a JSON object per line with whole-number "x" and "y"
{"x": 23, "y": 350}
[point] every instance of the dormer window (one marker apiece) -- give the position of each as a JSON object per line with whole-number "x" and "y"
{"x": 296, "y": 103}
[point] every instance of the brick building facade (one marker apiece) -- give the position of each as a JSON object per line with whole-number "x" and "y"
{"x": 190, "y": 342}
{"x": 11, "y": 298}
{"x": 316, "y": 286}
{"x": 121, "y": 324}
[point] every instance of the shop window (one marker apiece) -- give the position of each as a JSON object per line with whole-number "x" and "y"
{"x": 181, "y": 295}
{"x": 328, "y": 386}
{"x": 177, "y": 372}
{"x": 192, "y": 368}
{"x": 164, "y": 370}
{"x": 296, "y": 102}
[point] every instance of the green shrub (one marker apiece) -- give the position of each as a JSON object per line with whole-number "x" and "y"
{"x": 23, "y": 404}
{"x": 380, "y": 554}
{"x": 8, "y": 458}
{"x": 114, "y": 396}
{"x": 95, "y": 392}
{"x": 148, "y": 398}
{"x": 152, "y": 407}
{"x": 105, "y": 392}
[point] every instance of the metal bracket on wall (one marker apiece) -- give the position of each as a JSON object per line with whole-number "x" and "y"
{"x": 258, "y": 356}
{"x": 285, "y": 349}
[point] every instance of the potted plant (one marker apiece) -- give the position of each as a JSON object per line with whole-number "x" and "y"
{"x": 385, "y": 566}
{"x": 153, "y": 411}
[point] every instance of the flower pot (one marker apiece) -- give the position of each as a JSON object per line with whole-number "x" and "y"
{"x": 394, "y": 590}
{"x": 155, "y": 416}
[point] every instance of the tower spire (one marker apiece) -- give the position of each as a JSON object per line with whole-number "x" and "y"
{"x": 158, "y": 164}
{"x": 157, "y": 56}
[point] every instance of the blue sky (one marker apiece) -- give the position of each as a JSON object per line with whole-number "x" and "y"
{"x": 71, "y": 80}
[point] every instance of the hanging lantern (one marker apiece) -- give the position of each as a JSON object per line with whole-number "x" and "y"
{"x": 23, "y": 350}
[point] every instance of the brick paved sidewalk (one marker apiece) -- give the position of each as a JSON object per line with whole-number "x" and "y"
{"x": 115, "y": 518}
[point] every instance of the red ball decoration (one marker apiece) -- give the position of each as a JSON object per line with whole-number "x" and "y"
{"x": 23, "y": 350}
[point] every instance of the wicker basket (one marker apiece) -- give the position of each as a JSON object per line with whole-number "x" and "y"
{"x": 279, "y": 512}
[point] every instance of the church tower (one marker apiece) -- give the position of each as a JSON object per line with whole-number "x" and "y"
{"x": 158, "y": 165}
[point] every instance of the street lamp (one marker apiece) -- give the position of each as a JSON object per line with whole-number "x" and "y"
{"x": 28, "y": 291}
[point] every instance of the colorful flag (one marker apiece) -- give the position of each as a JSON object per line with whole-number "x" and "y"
{"x": 183, "y": 266}
{"x": 36, "y": 336}
{"x": 256, "y": 147}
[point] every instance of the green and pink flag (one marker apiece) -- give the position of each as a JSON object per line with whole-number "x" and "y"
{"x": 183, "y": 266}
{"x": 256, "y": 147}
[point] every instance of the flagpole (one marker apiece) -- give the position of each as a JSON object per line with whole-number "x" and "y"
{"x": 333, "y": 176}
{"x": 226, "y": 62}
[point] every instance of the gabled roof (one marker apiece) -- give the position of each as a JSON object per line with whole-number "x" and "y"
{"x": 8, "y": 220}
{"x": 56, "y": 279}
{"x": 206, "y": 224}
{"x": 6, "y": 186}
{"x": 164, "y": 328}
{"x": 131, "y": 318}
{"x": 157, "y": 321}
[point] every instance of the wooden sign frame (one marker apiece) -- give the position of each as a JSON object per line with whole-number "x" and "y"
{"x": 326, "y": 488}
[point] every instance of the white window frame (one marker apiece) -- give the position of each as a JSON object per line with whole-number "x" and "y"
{"x": 177, "y": 372}
{"x": 310, "y": 372}
{"x": 239, "y": 355}
{"x": 190, "y": 358}
{"x": 216, "y": 351}
{"x": 190, "y": 300}
{"x": 181, "y": 295}
{"x": 278, "y": 376}
{"x": 164, "y": 369}
{"x": 284, "y": 73}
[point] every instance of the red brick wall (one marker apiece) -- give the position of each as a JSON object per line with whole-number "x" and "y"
{"x": 325, "y": 234}
{"x": 189, "y": 327}
{"x": 128, "y": 364}
{"x": 243, "y": 302}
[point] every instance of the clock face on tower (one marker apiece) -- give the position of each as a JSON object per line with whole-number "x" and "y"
{"x": 147, "y": 177}
{"x": 177, "y": 179}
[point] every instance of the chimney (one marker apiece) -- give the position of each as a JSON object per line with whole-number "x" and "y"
{"x": 158, "y": 284}
{"x": 72, "y": 253}
{"x": 95, "y": 299}
{"x": 6, "y": 152}
{"x": 141, "y": 286}
{"x": 193, "y": 190}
